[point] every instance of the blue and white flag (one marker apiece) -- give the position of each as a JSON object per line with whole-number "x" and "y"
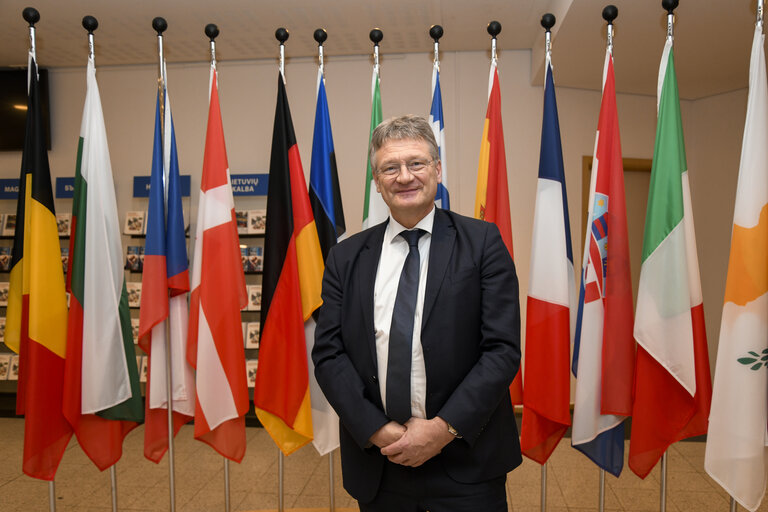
{"x": 442, "y": 199}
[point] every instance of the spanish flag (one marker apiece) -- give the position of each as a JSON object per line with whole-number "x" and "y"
{"x": 293, "y": 272}
{"x": 492, "y": 194}
{"x": 36, "y": 324}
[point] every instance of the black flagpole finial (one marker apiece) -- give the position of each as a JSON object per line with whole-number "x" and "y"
{"x": 670, "y": 5}
{"x": 212, "y": 31}
{"x": 281, "y": 34}
{"x": 31, "y": 15}
{"x": 160, "y": 25}
{"x": 90, "y": 24}
{"x": 320, "y": 36}
{"x": 376, "y": 35}
{"x": 610, "y": 13}
{"x": 494, "y": 28}
{"x": 436, "y": 32}
{"x": 548, "y": 21}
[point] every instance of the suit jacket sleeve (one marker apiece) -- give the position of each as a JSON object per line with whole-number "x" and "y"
{"x": 334, "y": 370}
{"x": 476, "y": 398}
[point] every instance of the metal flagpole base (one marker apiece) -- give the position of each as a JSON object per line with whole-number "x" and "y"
{"x": 113, "y": 479}
{"x": 280, "y": 468}
{"x": 601, "y": 499}
{"x": 331, "y": 483}
{"x": 544, "y": 487}
{"x": 663, "y": 493}
{"x": 226, "y": 484}
{"x": 734, "y": 506}
{"x": 52, "y": 496}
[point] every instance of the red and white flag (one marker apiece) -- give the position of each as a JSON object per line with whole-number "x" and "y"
{"x": 215, "y": 344}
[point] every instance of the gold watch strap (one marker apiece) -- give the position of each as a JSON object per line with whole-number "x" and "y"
{"x": 453, "y": 431}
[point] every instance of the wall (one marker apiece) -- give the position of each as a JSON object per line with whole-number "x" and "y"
{"x": 248, "y": 90}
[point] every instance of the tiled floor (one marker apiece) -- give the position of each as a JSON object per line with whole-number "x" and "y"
{"x": 143, "y": 486}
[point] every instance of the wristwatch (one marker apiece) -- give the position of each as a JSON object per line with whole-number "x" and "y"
{"x": 453, "y": 431}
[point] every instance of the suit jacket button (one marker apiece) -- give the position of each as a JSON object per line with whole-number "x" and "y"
{"x": 374, "y": 378}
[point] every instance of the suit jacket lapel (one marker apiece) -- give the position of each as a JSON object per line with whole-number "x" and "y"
{"x": 366, "y": 277}
{"x": 441, "y": 249}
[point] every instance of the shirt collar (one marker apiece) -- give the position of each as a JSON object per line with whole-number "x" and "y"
{"x": 394, "y": 228}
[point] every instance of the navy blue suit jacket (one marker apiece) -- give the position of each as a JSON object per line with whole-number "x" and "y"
{"x": 471, "y": 342}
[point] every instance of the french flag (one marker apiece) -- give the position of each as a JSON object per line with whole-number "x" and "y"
{"x": 551, "y": 296}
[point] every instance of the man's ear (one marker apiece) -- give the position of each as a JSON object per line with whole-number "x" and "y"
{"x": 376, "y": 180}
{"x": 439, "y": 170}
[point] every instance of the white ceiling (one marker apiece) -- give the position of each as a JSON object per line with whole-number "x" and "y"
{"x": 712, "y": 37}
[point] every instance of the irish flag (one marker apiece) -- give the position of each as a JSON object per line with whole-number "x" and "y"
{"x": 102, "y": 397}
{"x": 736, "y": 453}
{"x": 672, "y": 379}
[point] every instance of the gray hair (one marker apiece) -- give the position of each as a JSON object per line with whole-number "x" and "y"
{"x": 402, "y": 128}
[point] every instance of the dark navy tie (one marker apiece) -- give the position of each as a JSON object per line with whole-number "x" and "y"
{"x": 401, "y": 333}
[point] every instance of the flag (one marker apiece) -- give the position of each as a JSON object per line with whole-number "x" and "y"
{"x": 102, "y": 397}
{"x": 293, "y": 273}
{"x": 442, "y": 198}
{"x": 165, "y": 283}
{"x": 492, "y": 194}
{"x": 215, "y": 345}
{"x": 736, "y": 455}
{"x": 36, "y": 317}
{"x": 551, "y": 296}
{"x": 672, "y": 381}
{"x": 375, "y": 209}
{"x": 604, "y": 348}
{"x": 325, "y": 198}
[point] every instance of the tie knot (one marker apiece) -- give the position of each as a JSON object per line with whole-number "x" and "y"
{"x": 412, "y": 237}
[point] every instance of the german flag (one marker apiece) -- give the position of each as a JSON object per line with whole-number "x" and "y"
{"x": 492, "y": 194}
{"x": 36, "y": 323}
{"x": 293, "y": 272}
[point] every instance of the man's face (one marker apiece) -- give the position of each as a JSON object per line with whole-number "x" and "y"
{"x": 407, "y": 193}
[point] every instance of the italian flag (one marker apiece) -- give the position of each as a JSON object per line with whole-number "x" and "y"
{"x": 375, "y": 210}
{"x": 673, "y": 387}
{"x": 102, "y": 398}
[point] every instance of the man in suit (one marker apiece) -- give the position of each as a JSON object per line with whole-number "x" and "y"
{"x": 417, "y": 342}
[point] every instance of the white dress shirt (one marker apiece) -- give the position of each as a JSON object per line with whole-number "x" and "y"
{"x": 394, "y": 250}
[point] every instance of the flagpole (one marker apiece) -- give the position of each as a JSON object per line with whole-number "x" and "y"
{"x": 320, "y": 35}
{"x": 436, "y": 32}
{"x": 547, "y": 21}
{"x": 494, "y": 29}
{"x": 376, "y": 35}
{"x": 32, "y": 16}
{"x": 212, "y": 32}
{"x": 160, "y": 26}
{"x": 610, "y": 12}
{"x": 281, "y": 34}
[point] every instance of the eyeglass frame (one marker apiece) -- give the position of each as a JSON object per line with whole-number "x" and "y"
{"x": 391, "y": 175}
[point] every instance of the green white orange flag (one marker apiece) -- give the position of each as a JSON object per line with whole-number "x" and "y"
{"x": 375, "y": 210}
{"x": 36, "y": 318}
{"x": 101, "y": 380}
{"x": 672, "y": 380}
{"x": 736, "y": 455}
{"x": 492, "y": 193}
{"x": 293, "y": 275}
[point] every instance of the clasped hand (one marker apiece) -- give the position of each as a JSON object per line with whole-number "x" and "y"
{"x": 415, "y": 442}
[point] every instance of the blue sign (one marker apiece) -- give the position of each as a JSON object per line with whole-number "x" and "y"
{"x": 9, "y": 188}
{"x": 65, "y": 187}
{"x": 141, "y": 185}
{"x": 250, "y": 184}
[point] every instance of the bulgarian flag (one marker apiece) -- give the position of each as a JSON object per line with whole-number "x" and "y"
{"x": 672, "y": 380}
{"x": 736, "y": 455}
{"x": 215, "y": 343}
{"x": 102, "y": 397}
{"x": 492, "y": 194}
{"x": 36, "y": 322}
{"x": 375, "y": 209}
{"x": 293, "y": 273}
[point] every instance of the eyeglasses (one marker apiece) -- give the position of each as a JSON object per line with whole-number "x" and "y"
{"x": 393, "y": 169}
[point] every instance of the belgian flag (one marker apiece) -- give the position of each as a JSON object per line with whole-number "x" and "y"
{"x": 36, "y": 323}
{"x": 293, "y": 273}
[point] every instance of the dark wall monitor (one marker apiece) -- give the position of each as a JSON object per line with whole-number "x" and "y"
{"x": 13, "y": 108}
